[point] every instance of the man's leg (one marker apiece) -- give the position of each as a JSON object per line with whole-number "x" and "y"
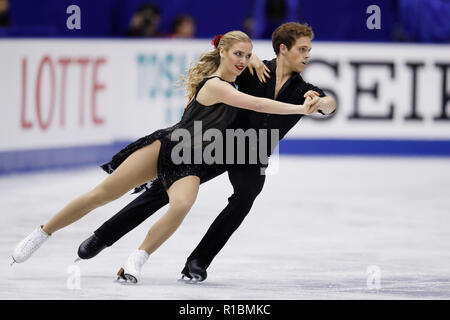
{"x": 247, "y": 182}
{"x": 133, "y": 214}
{"x": 124, "y": 221}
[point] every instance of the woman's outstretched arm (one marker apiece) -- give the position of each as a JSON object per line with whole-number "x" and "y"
{"x": 225, "y": 93}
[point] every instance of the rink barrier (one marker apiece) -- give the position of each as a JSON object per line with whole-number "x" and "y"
{"x": 64, "y": 102}
{"x": 74, "y": 157}
{"x": 24, "y": 161}
{"x": 366, "y": 147}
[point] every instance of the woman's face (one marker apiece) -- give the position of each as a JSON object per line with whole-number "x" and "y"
{"x": 236, "y": 58}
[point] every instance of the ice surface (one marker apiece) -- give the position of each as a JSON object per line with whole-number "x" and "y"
{"x": 314, "y": 232}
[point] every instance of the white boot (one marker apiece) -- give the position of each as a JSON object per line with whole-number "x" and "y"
{"x": 132, "y": 269}
{"x": 29, "y": 245}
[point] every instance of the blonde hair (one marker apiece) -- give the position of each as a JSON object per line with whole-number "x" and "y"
{"x": 208, "y": 63}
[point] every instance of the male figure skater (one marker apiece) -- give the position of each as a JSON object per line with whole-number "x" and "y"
{"x": 292, "y": 44}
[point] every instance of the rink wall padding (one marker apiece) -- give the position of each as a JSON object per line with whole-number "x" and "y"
{"x": 74, "y": 157}
{"x": 57, "y": 158}
{"x": 366, "y": 147}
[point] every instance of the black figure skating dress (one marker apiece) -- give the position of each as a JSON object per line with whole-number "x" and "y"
{"x": 217, "y": 116}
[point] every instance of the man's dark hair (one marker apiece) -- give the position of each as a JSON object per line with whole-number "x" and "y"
{"x": 288, "y": 33}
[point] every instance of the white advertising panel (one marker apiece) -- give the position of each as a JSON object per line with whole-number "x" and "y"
{"x": 72, "y": 93}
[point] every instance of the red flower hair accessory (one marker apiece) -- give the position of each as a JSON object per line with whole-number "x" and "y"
{"x": 216, "y": 40}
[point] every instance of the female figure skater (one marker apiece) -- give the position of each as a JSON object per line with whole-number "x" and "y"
{"x": 210, "y": 92}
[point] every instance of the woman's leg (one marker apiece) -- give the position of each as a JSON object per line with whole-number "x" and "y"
{"x": 138, "y": 168}
{"x": 182, "y": 194}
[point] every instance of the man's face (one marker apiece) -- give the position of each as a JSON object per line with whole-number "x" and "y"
{"x": 297, "y": 57}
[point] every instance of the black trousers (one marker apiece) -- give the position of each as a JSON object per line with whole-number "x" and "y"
{"x": 247, "y": 182}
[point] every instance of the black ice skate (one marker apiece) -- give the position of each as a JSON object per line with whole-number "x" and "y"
{"x": 90, "y": 247}
{"x": 193, "y": 272}
{"x": 185, "y": 273}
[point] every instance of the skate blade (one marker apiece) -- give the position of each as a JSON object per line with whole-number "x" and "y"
{"x": 130, "y": 279}
{"x": 125, "y": 282}
{"x": 125, "y": 278}
{"x": 182, "y": 279}
{"x": 77, "y": 259}
{"x": 195, "y": 279}
{"x": 12, "y": 262}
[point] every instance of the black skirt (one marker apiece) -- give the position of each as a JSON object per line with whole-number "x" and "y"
{"x": 168, "y": 172}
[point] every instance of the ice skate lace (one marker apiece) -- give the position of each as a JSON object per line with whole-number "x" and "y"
{"x": 33, "y": 243}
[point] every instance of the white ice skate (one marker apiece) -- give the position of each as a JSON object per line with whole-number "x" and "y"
{"x": 29, "y": 245}
{"x": 132, "y": 270}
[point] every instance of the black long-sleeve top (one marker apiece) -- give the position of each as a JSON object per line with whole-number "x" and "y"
{"x": 291, "y": 92}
